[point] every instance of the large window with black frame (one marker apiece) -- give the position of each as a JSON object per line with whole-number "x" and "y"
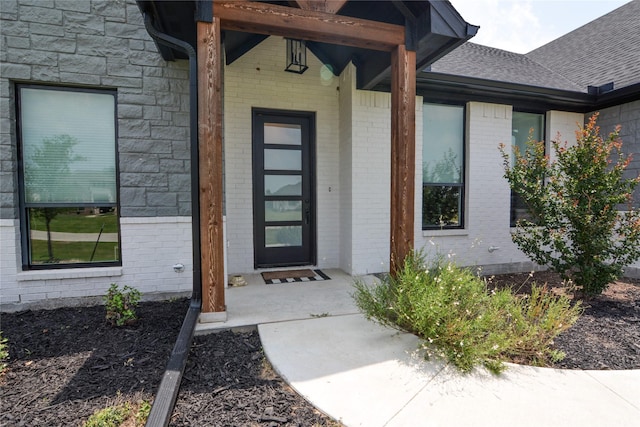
{"x": 443, "y": 166}
{"x": 524, "y": 124}
{"x": 68, "y": 177}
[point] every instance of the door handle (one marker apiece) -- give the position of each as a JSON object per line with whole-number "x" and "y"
{"x": 307, "y": 212}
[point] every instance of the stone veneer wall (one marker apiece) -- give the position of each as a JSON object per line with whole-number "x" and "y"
{"x": 102, "y": 44}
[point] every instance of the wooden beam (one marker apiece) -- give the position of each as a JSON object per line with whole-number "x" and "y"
{"x": 210, "y": 157}
{"x": 326, "y": 6}
{"x": 265, "y": 18}
{"x": 403, "y": 154}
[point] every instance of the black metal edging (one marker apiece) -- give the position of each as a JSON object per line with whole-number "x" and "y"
{"x": 167, "y": 393}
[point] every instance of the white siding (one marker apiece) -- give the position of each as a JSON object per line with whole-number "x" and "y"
{"x": 150, "y": 248}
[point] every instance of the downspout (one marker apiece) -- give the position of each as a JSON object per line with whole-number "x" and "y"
{"x": 167, "y": 393}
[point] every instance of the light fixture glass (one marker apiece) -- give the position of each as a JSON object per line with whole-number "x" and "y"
{"x": 296, "y": 56}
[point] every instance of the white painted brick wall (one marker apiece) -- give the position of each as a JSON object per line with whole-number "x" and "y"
{"x": 258, "y": 79}
{"x": 150, "y": 248}
{"x": 347, "y": 91}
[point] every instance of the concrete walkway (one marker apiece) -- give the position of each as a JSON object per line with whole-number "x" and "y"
{"x": 366, "y": 375}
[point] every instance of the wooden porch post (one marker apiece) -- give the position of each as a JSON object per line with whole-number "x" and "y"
{"x": 403, "y": 153}
{"x": 210, "y": 157}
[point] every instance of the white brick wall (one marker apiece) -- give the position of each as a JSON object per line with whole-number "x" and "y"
{"x": 150, "y": 248}
{"x": 258, "y": 80}
{"x": 347, "y": 91}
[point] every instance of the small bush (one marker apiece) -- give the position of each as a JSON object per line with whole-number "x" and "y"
{"x": 450, "y": 309}
{"x": 580, "y": 227}
{"x": 121, "y": 305}
{"x": 4, "y": 353}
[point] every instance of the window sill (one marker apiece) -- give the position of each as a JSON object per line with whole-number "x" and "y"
{"x": 69, "y": 273}
{"x": 445, "y": 233}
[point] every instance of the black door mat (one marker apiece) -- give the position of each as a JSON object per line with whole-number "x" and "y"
{"x": 292, "y": 276}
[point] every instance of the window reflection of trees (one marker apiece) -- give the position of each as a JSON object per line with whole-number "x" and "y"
{"x": 441, "y": 191}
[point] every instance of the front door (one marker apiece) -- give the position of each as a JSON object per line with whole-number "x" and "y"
{"x": 283, "y": 188}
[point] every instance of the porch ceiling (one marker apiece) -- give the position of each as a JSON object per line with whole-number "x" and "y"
{"x": 438, "y": 29}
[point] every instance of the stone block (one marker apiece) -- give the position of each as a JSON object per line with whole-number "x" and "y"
{"x": 18, "y": 42}
{"x": 99, "y": 45}
{"x": 62, "y": 44}
{"x": 128, "y": 111}
{"x": 130, "y": 196}
{"x": 172, "y": 166}
{"x": 33, "y": 57}
{"x": 77, "y": 78}
{"x": 180, "y": 183}
{"x": 40, "y": 15}
{"x": 121, "y": 68}
{"x": 121, "y": 82}
{"x": 111, "y": 10}
{"x": 45, "y": 74}
{"x": 74, "y": 5}
{"x": 46, "y": 29}
{"x": 84, "y": 23}
{"x": 158, "y": 180}
{"x": 139, "y": 163}
{"x": 83, "y": 63}
{"x": 134, "y": 129}
{"x": 164, "y": 199}
{"x": 15, "y": 71}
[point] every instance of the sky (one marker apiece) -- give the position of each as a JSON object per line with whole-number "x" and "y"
{"x": 523, "y": 25}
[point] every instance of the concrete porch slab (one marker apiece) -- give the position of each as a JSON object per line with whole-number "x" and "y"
{"x": 258, "y": 303}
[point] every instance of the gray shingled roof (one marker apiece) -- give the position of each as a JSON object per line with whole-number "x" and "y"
{"x": 482, "y": 62}
{"x": 602, "y": 51}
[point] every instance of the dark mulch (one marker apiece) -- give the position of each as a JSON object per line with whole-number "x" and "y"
{"x": 228, "y": 382}
{"x": 67, "y": 363}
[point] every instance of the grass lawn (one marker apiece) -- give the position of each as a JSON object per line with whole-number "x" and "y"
{"x": 71, "y": 222}
{"x": 73, "y": 251}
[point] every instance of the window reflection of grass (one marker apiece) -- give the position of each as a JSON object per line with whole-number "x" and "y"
{"x": 71, "y": 222}
{"x": 287, "y": 215}
{"x": 70, "y": 252}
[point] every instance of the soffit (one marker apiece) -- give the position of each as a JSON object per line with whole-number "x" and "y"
{"x": 438, "y": 30}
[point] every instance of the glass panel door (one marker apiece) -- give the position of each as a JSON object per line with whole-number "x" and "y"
{"x": 283, "y": 176}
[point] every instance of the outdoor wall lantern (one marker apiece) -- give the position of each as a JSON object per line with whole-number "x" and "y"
{"x": 296, "y": 56}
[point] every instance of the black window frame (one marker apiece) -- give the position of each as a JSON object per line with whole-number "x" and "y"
{"x": 513, "y": 218}
{"x": 462, "y": 185}
{"x": 24, "y": 206}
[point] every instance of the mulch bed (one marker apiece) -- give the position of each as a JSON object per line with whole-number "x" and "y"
{"x": 67, "y": 363}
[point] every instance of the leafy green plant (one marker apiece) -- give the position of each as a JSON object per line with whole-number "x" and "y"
{"x": 577, "y": 228}
{"x": 4, "y": 353}
{"x": 116, "y": 415}
{"x": 451, "y": 310}
{"x": 121, "y": 305}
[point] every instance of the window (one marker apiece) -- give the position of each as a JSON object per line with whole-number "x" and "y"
{"x": 68, "y": 178}
{"x": 522, "y": 125}
{"x": 443, "y": 166}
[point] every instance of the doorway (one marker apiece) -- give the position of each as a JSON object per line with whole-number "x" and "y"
{"x": 284, "y": 210}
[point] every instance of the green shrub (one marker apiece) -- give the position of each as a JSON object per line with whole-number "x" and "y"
{"x": 4, "y": 353}
{"x": 577, "y": 228}
{"x": 450, "y": 309}
{"x": 125, "y": 413}
{"x": 113, "y": 416}
{"x": 121, "y": 305}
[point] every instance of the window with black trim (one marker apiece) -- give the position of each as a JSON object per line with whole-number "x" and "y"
{"x": 68, "y": 177}
{"x": 523, "y": 125}
{"x": 443, "y": 162}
